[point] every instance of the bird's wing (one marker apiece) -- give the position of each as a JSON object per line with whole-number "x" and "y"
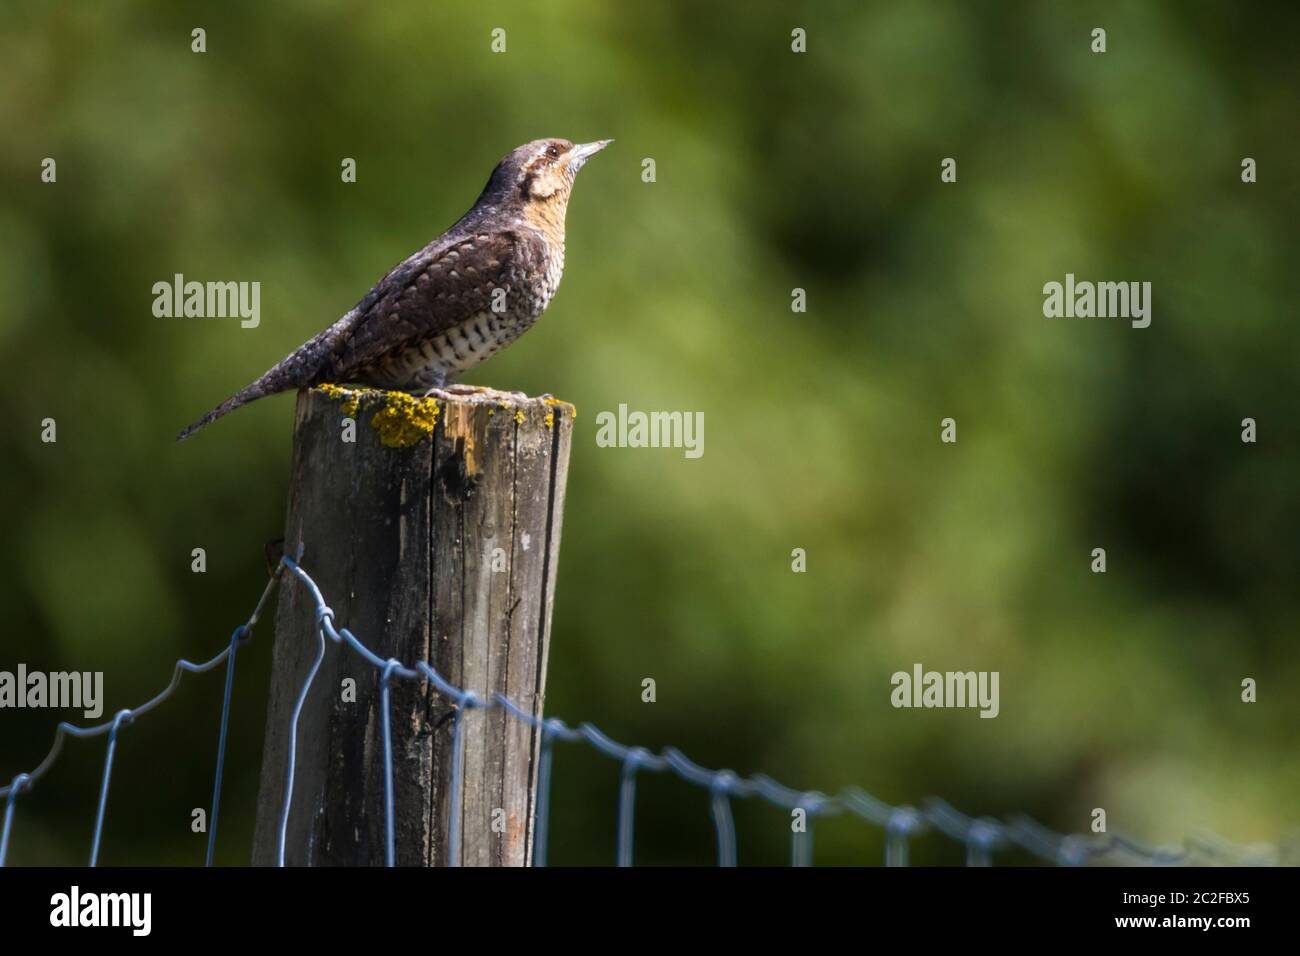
{"x": 428, "y": 293}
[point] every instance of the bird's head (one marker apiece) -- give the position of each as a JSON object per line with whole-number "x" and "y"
{"x": 539, "y": 175}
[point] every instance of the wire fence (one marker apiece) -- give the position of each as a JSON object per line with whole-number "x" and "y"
{"x": 982, "y": 837}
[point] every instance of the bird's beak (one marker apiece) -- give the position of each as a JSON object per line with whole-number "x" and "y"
{"x": 584, "y": 151}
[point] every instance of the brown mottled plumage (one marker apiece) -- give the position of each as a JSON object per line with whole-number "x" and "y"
{"x": 439, "y": 313}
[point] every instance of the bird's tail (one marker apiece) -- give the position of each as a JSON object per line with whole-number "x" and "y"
{"x": 277, "y": 379}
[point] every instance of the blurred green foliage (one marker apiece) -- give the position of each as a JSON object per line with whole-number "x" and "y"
{"x": 775, "y": 171}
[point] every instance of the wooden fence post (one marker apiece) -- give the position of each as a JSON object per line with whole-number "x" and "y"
{"x": 434, "y": 535}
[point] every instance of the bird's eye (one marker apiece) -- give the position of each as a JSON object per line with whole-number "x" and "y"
{"x": 553, "y": 151}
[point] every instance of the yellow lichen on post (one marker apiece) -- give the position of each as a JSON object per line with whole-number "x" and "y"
{"x": 402, "y": 420}
{"x": 351, "y": 399}
{"x": 551, "y": 400}
{"x": 405, "y": 420}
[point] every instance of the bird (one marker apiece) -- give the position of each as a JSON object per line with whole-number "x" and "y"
{"x": 455, "y": 303}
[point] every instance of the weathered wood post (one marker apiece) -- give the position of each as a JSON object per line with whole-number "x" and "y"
{"x": 434, "y": 535}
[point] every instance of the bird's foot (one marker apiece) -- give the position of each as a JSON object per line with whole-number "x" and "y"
{"x": 450, "y": 393}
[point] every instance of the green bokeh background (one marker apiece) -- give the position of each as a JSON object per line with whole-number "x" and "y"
{"x": 774, "y": 171}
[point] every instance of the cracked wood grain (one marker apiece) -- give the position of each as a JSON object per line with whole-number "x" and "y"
{"x": 401, "y": 542}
